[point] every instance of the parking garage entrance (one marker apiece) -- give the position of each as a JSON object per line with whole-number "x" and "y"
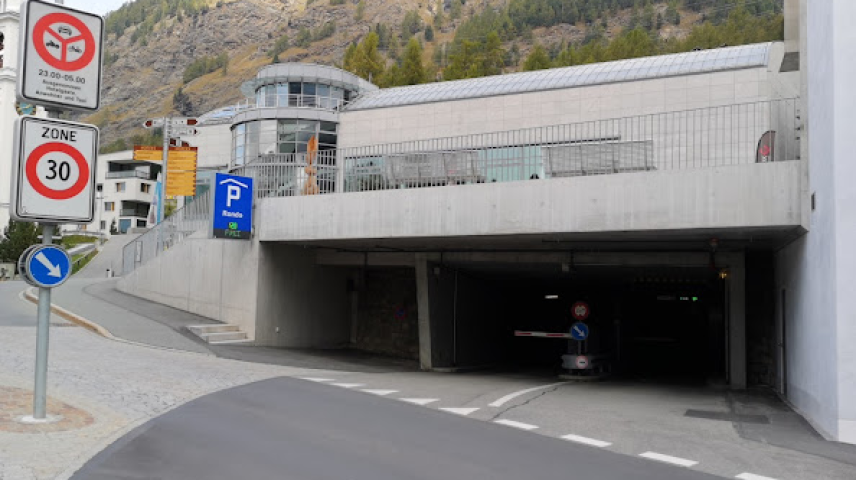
{"x": 658, "y": 323}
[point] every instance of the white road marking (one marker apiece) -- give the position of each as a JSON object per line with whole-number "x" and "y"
{"x": 379, "y": 392}
{"x": 752, "y": 476}
{"x": 512, "y": 423}
{"x": 319, "y": 380}
{"x": 420, "y": 401}
{"x": 348, "y": 385}
{"x": 668, "y": 459}
{"x": 587, "y": 441}
{"x": 459, "y": 411}
{"x": 501, "y": 401}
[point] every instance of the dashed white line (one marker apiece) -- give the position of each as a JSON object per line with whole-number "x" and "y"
{"x": 420, "y": 401}
{"x": 501, "y": 401}
{"x": 348, "y": 385}
{"x": 683, "y": 462}
{"x": 588, "y": 441}
{"x": 752, "y": 476}
{"x": 512, "y": 423}
{"x": 379, "y": 392}
{"x": 459, "y": 411}
{"x": 319, "y": 380}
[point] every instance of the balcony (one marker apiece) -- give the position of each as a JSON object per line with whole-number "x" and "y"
{"x": 131, "y": 212}
{"x": 293, "y": 101}
{"x": 128, "y": 174}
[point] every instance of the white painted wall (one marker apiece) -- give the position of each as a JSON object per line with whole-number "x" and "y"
{"x": 819, "y": 270}
{"x": 9, "y": 28}
{"x": 215, "y": 145}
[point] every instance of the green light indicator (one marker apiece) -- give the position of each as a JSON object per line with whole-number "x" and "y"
{"x": 695, "y": 299}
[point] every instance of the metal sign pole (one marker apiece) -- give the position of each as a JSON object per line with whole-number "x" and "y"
{"x": 42, "y": 337}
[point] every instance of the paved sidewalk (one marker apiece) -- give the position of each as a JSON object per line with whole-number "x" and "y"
{"x": 128, "y": 317}
{"x": 118, "y": 385}
{"x": 110, "y": 257}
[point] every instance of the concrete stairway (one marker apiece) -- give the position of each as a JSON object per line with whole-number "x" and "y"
{"x": 218, "y": 334}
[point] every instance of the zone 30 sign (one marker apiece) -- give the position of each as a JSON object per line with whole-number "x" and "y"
{"x": 54, "y": 177}
{"x": 60, "y": 58}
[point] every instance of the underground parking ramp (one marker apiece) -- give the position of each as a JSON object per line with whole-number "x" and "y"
{"x": 294, "y": 429}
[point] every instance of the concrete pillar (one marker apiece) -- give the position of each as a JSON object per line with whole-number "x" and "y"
{"x": 423, "y": 299}
{"x": 792, "y": 25}
{"x": 737, "y": 321}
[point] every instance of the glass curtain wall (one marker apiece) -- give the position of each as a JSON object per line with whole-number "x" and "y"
{"x": 301, "y": 94}
{"x": 265, "y": 137}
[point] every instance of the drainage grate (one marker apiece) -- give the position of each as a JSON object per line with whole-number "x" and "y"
{"x": 728, "y": 416}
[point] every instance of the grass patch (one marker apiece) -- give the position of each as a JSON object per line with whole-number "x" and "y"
{"x": 72, "y": 241}
{"x": 80, "y": 261}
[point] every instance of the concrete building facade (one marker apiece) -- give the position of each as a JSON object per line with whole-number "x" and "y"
{"x": 697, "y": 203}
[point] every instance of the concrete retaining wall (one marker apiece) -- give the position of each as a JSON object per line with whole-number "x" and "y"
{"x": 756, "y": 195}
{"x": 214, "y": 278}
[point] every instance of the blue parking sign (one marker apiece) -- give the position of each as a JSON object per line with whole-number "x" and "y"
{"x": 233, "y": 207}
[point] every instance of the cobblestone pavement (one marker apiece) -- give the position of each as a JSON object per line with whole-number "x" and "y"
{"x": 116, "y": 384}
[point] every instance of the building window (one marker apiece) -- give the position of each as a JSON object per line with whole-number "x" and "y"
{"x": 103, "y": 225}
{"x": 145, "y": 188}
{"x": 109, "y": 206}
{"x": 120, "y": 187}
{"x": 141, "y": 223}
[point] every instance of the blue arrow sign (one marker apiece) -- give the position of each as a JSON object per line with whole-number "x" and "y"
{"x": 579, "y": 331}
{"x": 48, "y": 266}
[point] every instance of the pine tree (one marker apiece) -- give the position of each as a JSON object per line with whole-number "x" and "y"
{"x": 361, "y": 10}
{"x": 429, "y": 34}
{"x": 493, "y": 55}
{"x": 463, "y": 62}
{"x": 412, "y": 69}
{"x": 365, "y": 60}
{"x": 537, "y": 59}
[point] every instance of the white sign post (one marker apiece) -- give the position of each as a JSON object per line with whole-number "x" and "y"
{"x": 54, "y": 178}
{"x": 60, "y": 57}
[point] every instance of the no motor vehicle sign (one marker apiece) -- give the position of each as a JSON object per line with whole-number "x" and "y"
{"x": 60, "y": 60}
{"x": 54, "y": 177}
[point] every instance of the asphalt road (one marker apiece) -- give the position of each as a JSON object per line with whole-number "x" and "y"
{"x": 14, "y": 312}
{"x": 290, "y": 429}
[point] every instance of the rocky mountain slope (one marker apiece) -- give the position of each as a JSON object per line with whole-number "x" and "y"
{"x": 150, "y": 49}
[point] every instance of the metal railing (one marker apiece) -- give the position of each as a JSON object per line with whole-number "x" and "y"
{"x": 130, "y": 212}
{"x": 289, "y": 175}
{"x": 700, "y": 138}
{"x": 173, "y": 230}
{"x": 292, "y": 101}
{"x": 129, "y": 174}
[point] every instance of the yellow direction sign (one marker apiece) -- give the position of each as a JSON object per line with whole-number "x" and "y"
{"x": 148, "y": 154}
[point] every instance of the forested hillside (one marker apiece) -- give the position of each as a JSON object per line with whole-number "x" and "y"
{"x": 190, "y": 56}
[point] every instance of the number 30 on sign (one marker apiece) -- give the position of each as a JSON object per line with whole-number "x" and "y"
{"x": 54, "y": 178}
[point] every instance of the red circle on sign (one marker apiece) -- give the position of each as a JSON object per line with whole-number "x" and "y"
{"x": 580, "y": 310}
{"x": 581, "y": 362}
{"x": 44, "y": 190}
{"x": 42, "y": 27}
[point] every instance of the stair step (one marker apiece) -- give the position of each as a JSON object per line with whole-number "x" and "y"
{"x": 224, "y": 336}
{"x": 214, "y": 328}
